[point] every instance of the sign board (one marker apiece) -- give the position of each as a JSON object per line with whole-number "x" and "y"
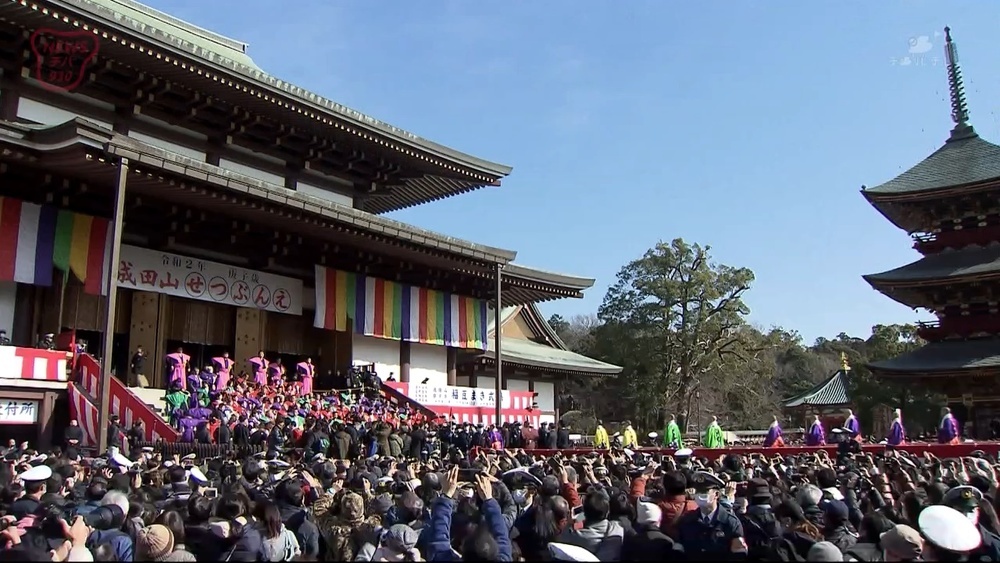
{"x": 194, "y": 278}
{"x": 469, "y": 404}
{"x": 18, "y": 411}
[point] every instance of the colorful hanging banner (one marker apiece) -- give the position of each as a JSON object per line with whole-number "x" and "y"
{"x": 36, "y": 238}
{"x": 385, "y": 309}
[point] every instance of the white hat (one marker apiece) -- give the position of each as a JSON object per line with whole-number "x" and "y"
{"x": 190, "y": 457}
{"x": 949, "y": 529}
{"x": 36, "y": 473}
{"x": 652, "y": 435}
{"x": 121, "y": 461}
{"x": 278, "y": 463}
{"x": 648, "y": 513}
{"x": 168, "y": 464}
{"x": 629, "y": 452}
{"x": 567, "y": 552}
{"x": 147, "y": 449}
{"x": 197, "y": 476}
{"x": 38, "y": 459}
{"x": 384, "y": 480}
{"x": 838, "y": 431}
{"x": 684, "y": 452}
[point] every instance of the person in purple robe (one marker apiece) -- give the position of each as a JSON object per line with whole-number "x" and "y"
{"x": 853, "y": 426}
{"x": 223, "y": 366}
{"x": 178, "y": 365}
{"x": 495, "y": 438}
{"x": 897, "y": 434}
{"x": 948, "y": 432}
{"x": 258, "y": 365}
{"x": 276, "y": 372}
{"x": 774, "y": 435}
{"x": 816, "y": 436}
{"x": 305, "y": 370}
{"x": 188, "y": 426}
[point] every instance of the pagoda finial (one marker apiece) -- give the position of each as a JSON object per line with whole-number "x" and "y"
{"x": 844, "y": 366}
{"x": 959, "y": 108}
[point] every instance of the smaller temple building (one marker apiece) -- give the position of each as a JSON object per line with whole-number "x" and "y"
{"x": 829, "y": 399}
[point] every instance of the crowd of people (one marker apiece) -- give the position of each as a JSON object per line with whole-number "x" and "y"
{"x": 379, "y": 483}
{"x": 357, "y": 476}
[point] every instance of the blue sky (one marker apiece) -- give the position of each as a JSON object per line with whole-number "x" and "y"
{"x": 747, "y": 126}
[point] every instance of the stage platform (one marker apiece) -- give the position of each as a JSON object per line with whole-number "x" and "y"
{"x": 941, "y": 451}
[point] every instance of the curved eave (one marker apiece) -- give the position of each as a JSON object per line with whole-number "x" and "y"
{"x": 213, "y": 67}
{"x": 74, "y": 138}
{"x": 533, "y": 317}
{"x": 488, "y": 358}
{"x": 529, "y": 285}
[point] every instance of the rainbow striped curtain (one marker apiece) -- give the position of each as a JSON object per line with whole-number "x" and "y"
{"x": 386, "y": 309}
{"x": 34, "y": 239}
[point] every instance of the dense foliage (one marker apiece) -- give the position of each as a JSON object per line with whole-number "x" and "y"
{"x": 677, "y": 323}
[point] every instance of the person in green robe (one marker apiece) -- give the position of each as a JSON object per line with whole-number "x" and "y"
{"x": 203, "y": 396}
{"x": 176, "y": 399}
{"x": 714, "y": 437}
{"x": 672, "y": 434}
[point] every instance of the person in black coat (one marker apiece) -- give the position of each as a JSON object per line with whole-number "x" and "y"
{"x": 562, "y": 436}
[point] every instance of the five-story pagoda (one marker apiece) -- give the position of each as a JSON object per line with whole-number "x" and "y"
{"x": 950, "y": 205}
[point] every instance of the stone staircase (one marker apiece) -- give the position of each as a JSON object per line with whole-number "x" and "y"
{"x": 152, "y": 397}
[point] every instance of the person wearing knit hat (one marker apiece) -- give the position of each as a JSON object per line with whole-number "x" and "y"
{"x": 824, "y": 551}
{"x": 153, "y": 543}
{"x": 399, "y": 543}
{"x": 901, "y": 543}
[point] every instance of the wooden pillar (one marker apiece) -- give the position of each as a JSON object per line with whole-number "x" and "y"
{"x": 144, "y": 330}
{"x": 248, "y": 336}
{"x": 474, "y": 376}
{"x": 404, "y": 361}
{"x": 213, "y": 153}
{"x": 46, "y": 409}
{"x": 452, "y": 366}
{"x": 10, "y": 95}
{"x": 556, "y": 394}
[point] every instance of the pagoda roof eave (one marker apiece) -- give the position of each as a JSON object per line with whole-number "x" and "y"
{"x": 961, "y": 161}
{"x": 228, "y": 57}
{"x": 944, "y": 357}
{"x": 77, "y": 134}
{"x": 946, "y": 266}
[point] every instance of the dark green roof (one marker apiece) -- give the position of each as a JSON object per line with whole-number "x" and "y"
{"x": 959, "y": 162}
{"x": 945, "y": 265}
{"x": 832, "y": 392}
{"x": 953, "y": 355}
{"x": 533, "y": 354}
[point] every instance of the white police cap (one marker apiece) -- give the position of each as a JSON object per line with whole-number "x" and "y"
{"x": 684, "y": 452}
{"x": 189, "y": 457}
{"x": 949, "y": 529}
{"x": 197, "y": 476}
{"x": 567, "y": 552}
{"x": 36, "y": 473}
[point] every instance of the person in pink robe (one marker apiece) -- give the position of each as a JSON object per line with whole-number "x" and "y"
{"x": 178, "y": 362}
{"x": 276, "y": 372}
{"x": 258, "y": 365}
{"x": 306, "y": 371}
{"x": 223, "y": 365}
